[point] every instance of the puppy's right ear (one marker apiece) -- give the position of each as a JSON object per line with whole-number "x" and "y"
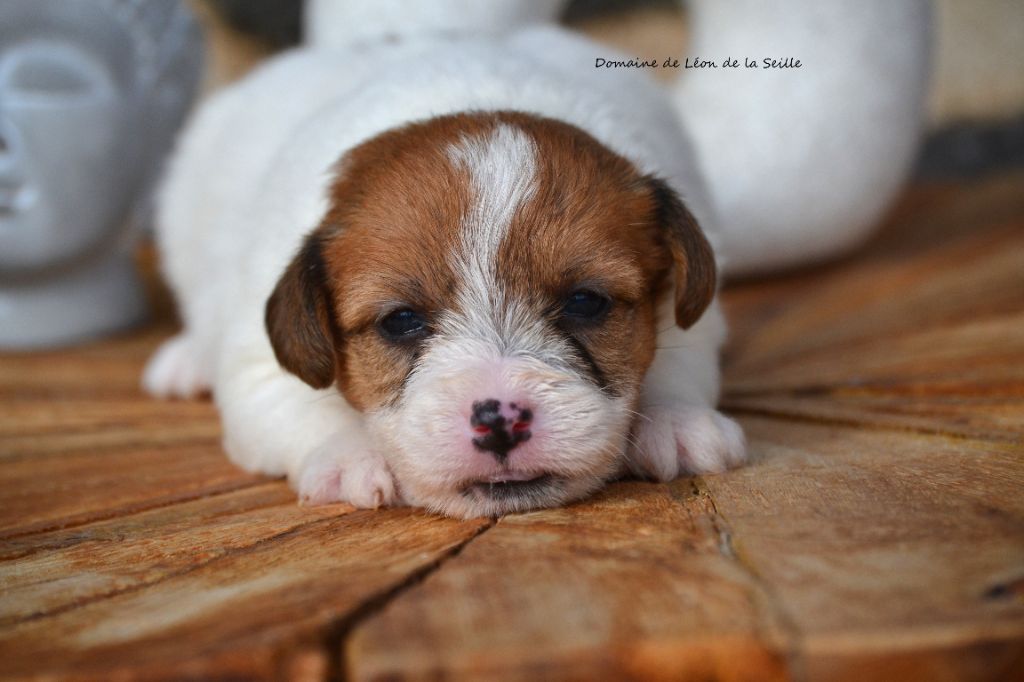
{"x": 299, "y": 320}
{"x": 694, "y": 261}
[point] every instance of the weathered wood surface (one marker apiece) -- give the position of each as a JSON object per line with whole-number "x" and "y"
{"x": 635, "y": 584}
{"x": 841, "y": 550}
{"x": 878, "y": 535}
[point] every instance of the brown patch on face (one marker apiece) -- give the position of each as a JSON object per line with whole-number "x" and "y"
{"x": 395, "y": 218}
{"x": 299, "y": 321}
{"x": 596, "y": 224}
{"x": 696, "y": 275}
{"x": 395, "y": 215}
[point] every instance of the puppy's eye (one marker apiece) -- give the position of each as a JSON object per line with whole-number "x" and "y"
{"x": 403, "y": 325}
{"x": 585, "y": 306}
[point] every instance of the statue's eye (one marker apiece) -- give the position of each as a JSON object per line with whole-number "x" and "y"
{"x": 57, "y": 73}
{"x": 403, "y": 325}
{"x": 584, "y": 306}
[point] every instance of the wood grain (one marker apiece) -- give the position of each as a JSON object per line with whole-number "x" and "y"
{"x": 922, "y": 331}
{"x": 880, "y": 544}
{"x": 92, "y": 482}
{"x": 60, "y": 570}
{"x": 631, "y": 585}
{"x": 840, "y": 551}
{"x": 130, "y": 547}
{"x": 239, "y": 611}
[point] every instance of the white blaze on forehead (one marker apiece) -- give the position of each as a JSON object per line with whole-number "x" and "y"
{"x": 502, "y": 166}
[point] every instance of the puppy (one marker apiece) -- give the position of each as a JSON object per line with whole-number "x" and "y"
{"x": 457, "y": 273}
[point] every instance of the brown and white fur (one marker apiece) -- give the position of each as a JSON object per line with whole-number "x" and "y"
{"x": 530, "y": 230}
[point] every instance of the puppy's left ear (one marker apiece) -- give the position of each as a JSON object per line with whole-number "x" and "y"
{"x": 299, "y": 321}
{"x": 692, "y": 257}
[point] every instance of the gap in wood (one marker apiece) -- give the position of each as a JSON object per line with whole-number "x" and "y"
{"x": 792, "y": 646}
{"x": 128, "y": 510}
{"x": 337, "y": 633}
{"x": 143, "y": 584}
{"x": 734, "y": 409}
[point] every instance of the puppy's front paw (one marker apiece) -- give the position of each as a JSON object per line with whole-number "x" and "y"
{"x": 670, "y": 442}
{"x": 174, "y": 371}
{"x": 343, "y": 471}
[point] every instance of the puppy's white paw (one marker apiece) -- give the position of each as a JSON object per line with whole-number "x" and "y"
{"x": 671, "y": 442}
{"x": 174, "y": 372}
{"x": 341, "y": 470}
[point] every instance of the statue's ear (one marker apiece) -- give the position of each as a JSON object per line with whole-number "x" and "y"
{"x": 692, "y": 257}
{"x": 299, "y": 319}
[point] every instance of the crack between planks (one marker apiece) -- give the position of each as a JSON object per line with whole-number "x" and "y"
{"x": 727, "y": 548}
{"x": 337, "y": 633}
{"x": 237, "y": 551}
{"x": 860, "y": 424}
{"x": 799, "y": 355}
{"x": 75, "y": 540}
{"x": 65, "y": 450}
{"x": 128, "y": 510}
{"x": 1011, "y": 389}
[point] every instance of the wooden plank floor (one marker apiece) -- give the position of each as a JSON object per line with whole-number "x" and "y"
{"x": 879, "y": 534}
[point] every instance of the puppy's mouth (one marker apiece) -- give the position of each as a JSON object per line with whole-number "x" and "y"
{"x": 513, "y": 486}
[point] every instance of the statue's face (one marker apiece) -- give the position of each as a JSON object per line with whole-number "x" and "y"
{"x": 69, "y": 140}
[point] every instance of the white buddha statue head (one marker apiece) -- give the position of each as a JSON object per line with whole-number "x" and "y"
{"x": 91, "y": 93}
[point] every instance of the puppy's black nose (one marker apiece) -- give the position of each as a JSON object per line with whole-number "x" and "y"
{"x": 499, "y": 428}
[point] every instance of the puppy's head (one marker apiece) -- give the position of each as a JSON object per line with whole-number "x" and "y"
{"x": 483, "y": 287}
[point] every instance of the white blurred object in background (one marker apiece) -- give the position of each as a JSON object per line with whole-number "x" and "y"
{"x": 330, "y": 23}
{"x": 802, "y": 162}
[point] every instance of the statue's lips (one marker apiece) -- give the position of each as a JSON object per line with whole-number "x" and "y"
{"x": 14, "y": 196}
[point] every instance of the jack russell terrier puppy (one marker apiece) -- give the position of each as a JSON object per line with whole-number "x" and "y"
{"x": 470, "y": 274}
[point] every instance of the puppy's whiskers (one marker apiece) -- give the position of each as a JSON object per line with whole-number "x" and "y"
{"x": 641, "y": 415}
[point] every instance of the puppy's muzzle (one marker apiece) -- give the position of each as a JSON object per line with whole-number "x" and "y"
{"x": 500, "y": 427}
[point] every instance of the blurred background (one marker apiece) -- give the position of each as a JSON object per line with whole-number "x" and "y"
{"x": 66, "y": 266}
{"x": 975, "y": 105}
